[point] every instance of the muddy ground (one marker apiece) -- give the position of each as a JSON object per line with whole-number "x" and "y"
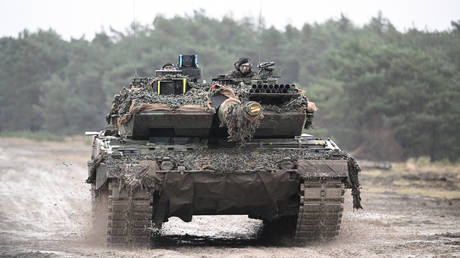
{"x": 45, "y": 212}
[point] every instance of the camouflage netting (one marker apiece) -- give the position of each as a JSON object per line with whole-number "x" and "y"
{"x": 299, "y": 102}
{"x": 241, "y": 89}
{"x": 142, "y": 176}
{"x": 141, "y": 172}
{"x": 240, "y": 127}
{"x": 92, "y": 166}
{"x": 353, "y": 171}
{"x": 141, "y": 97}
{"x": 228, "y": 160}
{"x": 136, "y": 99}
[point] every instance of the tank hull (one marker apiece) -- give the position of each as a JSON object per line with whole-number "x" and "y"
{"x": 300, "y": 198}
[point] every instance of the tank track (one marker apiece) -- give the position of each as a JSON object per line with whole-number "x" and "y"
{"x": 320, "y": 210}
{"x": 129, "y": 217}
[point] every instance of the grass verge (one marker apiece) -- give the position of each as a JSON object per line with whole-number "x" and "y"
{"x": 37, "y": 136}
{"x": 416, "y": 177}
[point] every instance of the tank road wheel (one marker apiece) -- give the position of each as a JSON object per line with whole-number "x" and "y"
{"x": 320, "y": 210}
{"x": 129, "y": 216}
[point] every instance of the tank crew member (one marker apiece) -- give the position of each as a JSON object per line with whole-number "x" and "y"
{"x": 169, "y": 66}
{"x": 243, "y": 68}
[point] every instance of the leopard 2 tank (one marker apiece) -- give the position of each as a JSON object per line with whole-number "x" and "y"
{"x": 177, "y": 147}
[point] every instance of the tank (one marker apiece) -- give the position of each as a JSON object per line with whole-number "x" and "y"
{"x": 175, "y": 146}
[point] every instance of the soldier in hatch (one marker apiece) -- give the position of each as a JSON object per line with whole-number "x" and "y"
{"x": 169, "y": 67}
{"x": 242, "y": 69}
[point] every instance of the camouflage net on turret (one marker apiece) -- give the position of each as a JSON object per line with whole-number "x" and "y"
{"x": 241, "y": 127}
{"x": 140, "y": 97}
{"x": 137, "y": 99}
{"x": 299, "y": 103}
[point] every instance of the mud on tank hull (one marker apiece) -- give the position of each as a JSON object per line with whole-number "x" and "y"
{"x": 295, "y": 186}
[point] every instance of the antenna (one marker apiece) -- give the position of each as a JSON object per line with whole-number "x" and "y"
{"x": 134, "y": 39}
{"x": 259, "y": 31}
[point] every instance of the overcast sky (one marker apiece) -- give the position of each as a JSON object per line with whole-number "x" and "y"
{"x": 74, "y": 18}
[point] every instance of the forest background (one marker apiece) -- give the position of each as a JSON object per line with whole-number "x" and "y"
{"x": 382, "y": 93}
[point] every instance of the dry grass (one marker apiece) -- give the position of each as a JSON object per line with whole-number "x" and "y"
{"x": 416, "y": 177}
{"x": 413, "y": 191}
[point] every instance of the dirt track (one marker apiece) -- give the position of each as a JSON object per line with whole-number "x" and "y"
{"x": 45, "y": 210}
